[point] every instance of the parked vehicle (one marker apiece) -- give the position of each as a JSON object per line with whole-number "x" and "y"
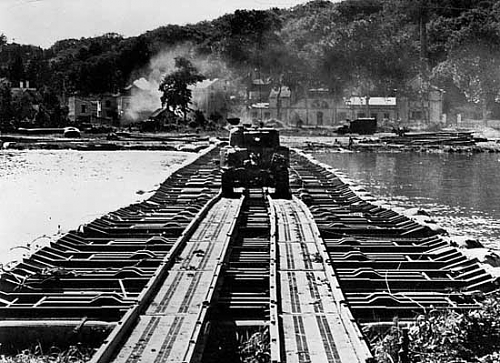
{"x": 361, "y": 126}
{"x": 71, "y": 132}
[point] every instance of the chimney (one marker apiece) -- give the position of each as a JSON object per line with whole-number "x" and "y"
{"x": 21, "y": 84}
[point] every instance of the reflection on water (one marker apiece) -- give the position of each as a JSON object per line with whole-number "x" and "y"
{"x": 46, "y": 192}
{"x": 461, "y": 191}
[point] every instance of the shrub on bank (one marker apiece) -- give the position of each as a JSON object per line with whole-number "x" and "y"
{"x": 74, "y": 354}
{"x": 445, "y": 336}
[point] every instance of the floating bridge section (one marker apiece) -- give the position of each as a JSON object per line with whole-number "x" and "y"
{"x": 93, "y": 278}
{"x": 171, "y": 326}
{"x": 317, "y": 323}
{"x": 387, "y": 264}
{"x": 188, "y": 276}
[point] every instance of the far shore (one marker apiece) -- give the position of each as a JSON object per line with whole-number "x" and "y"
{"x": 374, "y": 143}
{"x": 314, "y": 140}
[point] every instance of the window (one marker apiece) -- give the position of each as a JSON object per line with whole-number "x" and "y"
{"x": 267, "y": 115}
{"x": 342, "y": 116}
{"x": 107, "y": 103}
{"x": 319, "y": 118}
{"x": 254, "y": 114}
{"x": 361, "y": 114}
{"x": 84, "y": 108}
{"x": 386, "y": 115}
{"x": 373, "y": 115}
{"x": 416, "y": 115}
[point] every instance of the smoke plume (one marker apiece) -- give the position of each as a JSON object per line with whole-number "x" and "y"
{"x": 146, "y": 95}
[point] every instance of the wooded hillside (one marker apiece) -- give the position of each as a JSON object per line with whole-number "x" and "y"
{"x": 353, "y": 47}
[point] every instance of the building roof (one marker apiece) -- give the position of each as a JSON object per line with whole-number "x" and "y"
{"x": 261, "y": 82}
{"x": 416, "y": 83}
{"x": 373, "y": 101}
{"x": 203, "y": 84}
{"x": 260, "y": 105}
{"x": 322, "y": 90}
{"x": 285, "y": 92}
{"x": 157, "y": 112}
{"x": 141, "y": 84}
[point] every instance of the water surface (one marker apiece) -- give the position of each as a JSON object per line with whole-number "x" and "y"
{"x": 461, "y": 191}
{"x": 46, "y": 193}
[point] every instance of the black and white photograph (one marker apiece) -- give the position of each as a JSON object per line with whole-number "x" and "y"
{"x": 250, "y": 181}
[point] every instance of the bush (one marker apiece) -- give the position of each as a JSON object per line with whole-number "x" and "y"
{"x": 445, "y": 336}
{"x": 74, "y": 354}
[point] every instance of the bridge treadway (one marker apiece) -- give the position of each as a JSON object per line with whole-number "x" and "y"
{"x": 317, "y": 326}
{"x": 168, "y": 330}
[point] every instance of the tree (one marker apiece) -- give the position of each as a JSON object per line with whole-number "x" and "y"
{"x": 16, "y": 69}
{"x": 176, "y": 94}
{"x": 24, "y": 105}
{"x": 244, "y": 37}
{"x": 360, "y": 63}
{"x": 5, "y": 103}
{"x": 52, "y": 108}
{"x": 473, "y": 57}
{"x": 199, "y": 119}
{"x": 133, "y": 53}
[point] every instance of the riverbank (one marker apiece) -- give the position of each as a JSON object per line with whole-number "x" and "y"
{"x": 430, "y": 142}
{"x": 315, "y": 140}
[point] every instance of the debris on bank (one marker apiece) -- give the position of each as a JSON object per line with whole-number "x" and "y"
{"x": 110, "y": 142}
{"x": 430, "y": 142}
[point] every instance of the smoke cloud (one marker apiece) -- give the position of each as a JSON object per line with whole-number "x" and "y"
{"x": 145, "y": 97}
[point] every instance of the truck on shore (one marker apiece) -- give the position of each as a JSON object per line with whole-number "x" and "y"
{"x": 361, "y": 126}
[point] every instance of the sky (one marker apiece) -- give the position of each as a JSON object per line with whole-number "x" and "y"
{"x": 43, "y": 22}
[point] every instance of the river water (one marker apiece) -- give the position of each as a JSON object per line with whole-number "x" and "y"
{"x": 46, "y": 193}
{"x": 460, "y": 191}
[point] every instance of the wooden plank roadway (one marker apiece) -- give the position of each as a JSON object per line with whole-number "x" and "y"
{"x": 317, "y": 324}
{"x": 169, "y": 329}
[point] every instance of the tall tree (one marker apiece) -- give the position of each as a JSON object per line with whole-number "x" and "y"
{"x": 243, "y": 37}
{"x": 175, "y": 86}
{"x": 357, "y": 62}
{"x": 16, "y": 69}
{"x": 473, "y": 57}
{"x": 5, "y": 103}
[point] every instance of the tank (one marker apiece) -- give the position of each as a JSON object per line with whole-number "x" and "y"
{"x": 255, "y": 158}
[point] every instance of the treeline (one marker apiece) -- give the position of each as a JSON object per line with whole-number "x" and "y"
{"x": 362, "y": 47}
